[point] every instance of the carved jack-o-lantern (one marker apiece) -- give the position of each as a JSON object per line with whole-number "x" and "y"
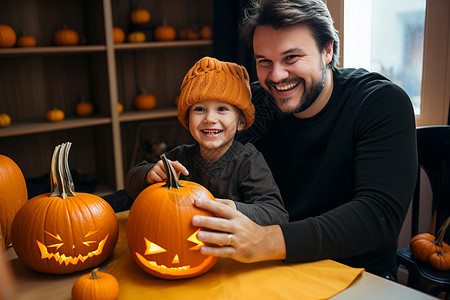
{"x": 160, "y": 235}
{"x": 62, "y": 232}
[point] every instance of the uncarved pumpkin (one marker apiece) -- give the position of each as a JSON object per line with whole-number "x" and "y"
{"x": 55, "y": 115}
{"x": 63, "y": 232}
{"x": 433, "y": 250}
{"x": 140, "y": 16}
{"x": 95, "y": 285}
{"x": 118, "y": 35}
{"x": 7, "y": 36}
{"x": 13, "y": 194}
{"x": 66, "y": 37}
{"x": 160, "y": 235}
{"x": 5, "y": 120}
{"x": 136, "y": 37}
{"x": 84, "y": 108}
{"x": 26, "y": 41}
{"x": 165, "y": 33}
{"x": 119, "y": 108}
{"x": 144, "y": 101}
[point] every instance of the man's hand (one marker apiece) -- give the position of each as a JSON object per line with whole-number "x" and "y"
{"x": 234, "y": 235}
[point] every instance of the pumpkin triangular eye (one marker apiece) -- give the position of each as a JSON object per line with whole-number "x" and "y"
{"x": 54, "y": 236}
{"x": 152, "y": 248}
{"x": 193, "y": 239}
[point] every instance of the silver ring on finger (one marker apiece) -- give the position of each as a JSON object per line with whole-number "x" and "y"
{"x": 228, "y": 239}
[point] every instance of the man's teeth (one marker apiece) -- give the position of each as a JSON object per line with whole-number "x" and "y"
{"x": 286, "y": 87}
{"x": 211, "y": 131}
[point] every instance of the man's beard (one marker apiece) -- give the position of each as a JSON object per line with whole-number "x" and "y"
{"x": 310, "y": 95}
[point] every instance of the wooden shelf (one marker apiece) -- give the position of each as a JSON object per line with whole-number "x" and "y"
{"x": 170, "y": 44}
{"x": 37, "y": 127}
{"x": 148, "y": 115}
{"x": 37, "y": 79}
{"x": 51, "y": 50}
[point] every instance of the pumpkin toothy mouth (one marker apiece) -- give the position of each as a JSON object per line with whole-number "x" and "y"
{"x": 62, "y": 258}
{"x": 152, "y": 265}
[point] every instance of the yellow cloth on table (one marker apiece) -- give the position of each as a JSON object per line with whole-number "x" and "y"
{"x": 230, "y": 279}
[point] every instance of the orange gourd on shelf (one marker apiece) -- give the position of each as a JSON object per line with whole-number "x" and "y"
{"x": 84, "y": 108}
{"x": 7, "y": 36}
{"x": 5, "y": 120}
{"x": 165, "y": 33}
{"x": 63, "y": 232}
{"x": 118, "y": 35}
{"x": 140, "y": 16}
{"x": 145, "y": 101}
{"x": 55, "y": 115}
{"x": 161, "y": 238}
{"x": 13, "y": 194}
{"x": 136, "y": 37}
{"x": 26, "y": 41}
{"x": 66, "y": 37}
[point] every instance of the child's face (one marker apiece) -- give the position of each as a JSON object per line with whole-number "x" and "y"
{"x": 214, "y": 124}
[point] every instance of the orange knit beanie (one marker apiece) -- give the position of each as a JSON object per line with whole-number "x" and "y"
{"x": 211, "y": 79}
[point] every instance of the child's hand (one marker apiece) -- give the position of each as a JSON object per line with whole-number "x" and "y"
{"x": 158, "y": 173}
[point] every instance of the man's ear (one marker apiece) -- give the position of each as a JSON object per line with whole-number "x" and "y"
{"x": 328, "y": 52}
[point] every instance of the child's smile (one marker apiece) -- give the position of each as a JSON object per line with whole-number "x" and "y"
{"x": 214, "y": 124}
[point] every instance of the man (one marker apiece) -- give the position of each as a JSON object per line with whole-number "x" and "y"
{"x": 340, "y": 143}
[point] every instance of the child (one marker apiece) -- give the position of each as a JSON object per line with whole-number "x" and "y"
{"x": 214, "y": 105}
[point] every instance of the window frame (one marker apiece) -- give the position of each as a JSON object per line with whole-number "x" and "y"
{"x": 435, "y": 95}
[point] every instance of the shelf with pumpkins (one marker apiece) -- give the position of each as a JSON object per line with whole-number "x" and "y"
{"x": 43, "y": 74}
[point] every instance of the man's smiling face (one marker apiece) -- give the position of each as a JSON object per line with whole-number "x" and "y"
{"x": 290, "y": 66}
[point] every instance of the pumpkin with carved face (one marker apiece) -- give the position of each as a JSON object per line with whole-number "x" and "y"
{"x": 62, "y": 232}
{"x": 160, "y": 235}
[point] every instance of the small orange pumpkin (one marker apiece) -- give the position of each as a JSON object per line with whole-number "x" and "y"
{"x": 13, "y": 194}
{"x": 136, "y": 37}
{"x": 120, "y": 108}
{"x": 7, "y": 36}
{"x": 118, "y": 35}
{"x": 55, "y": 115}
{"x": 66, "y": 37}
{"x": 429, "y": 249}
{"x": 165, "y": 33}
{"x": 160, "y": 234}
{"x": 95, "y": 285}
{"x": 84, "y": 108}
{"x": 62, "y": 232}
{"x": 206, "y": 32}
{"x": 144, "y": 101}
{"x": 26, "y": 41}
{"x": 140, "y": 16}
{"x": 5, "y": 120}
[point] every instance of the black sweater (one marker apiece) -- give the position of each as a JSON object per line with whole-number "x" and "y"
{"x": 347, "y": 174}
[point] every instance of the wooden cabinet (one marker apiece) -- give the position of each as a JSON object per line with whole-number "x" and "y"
{"x": 35, "y": 80}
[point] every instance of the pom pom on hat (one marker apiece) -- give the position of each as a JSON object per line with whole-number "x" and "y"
{"x": 211, "y": 79}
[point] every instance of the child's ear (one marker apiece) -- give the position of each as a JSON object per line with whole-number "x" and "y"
{"x": 241, "y": 124}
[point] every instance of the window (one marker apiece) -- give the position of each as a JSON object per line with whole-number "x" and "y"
{"x": 406, "y": 40}
{"x": 387, "y": 41}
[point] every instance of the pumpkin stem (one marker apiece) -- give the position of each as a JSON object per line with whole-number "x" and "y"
{"x": 61, "y": 180}
{"x": 441, "y": 233}
{"x": 172, "y": 180}
{"x": 94, "y": 274}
